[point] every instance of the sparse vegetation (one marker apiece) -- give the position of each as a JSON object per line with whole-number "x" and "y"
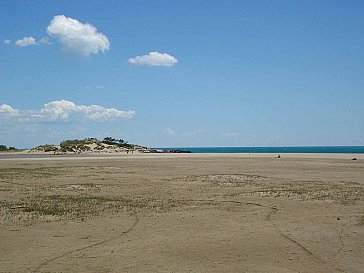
{"x": 75, "y": 145}
{"x": 88, "y": 144}
{"x": 361, "y": 220}
{"x": 24, "y": 173}
{"x": 46, "y": 148}
{"x": 258, "y": 186}
{"x": 80, "y": 206}
{"x": 117, "y": 142}
{"x": 62, "y": 205}
{"x": 4, "y": 148}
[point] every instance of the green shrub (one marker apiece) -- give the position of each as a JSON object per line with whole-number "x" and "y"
{"x": 4, "y": 148}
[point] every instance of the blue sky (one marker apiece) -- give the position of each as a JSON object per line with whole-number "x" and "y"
{"x": 182, "y": 73}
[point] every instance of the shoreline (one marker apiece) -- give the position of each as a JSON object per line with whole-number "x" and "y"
{"x": 15, "y": 156}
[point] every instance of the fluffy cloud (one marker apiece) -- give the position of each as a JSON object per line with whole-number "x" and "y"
{"x": 64, "y": 110}
{"x": 29, "y": 41}
{"x": 154, "y": 59}
{"x": 7, "y": 110}
{"x": 26, "y": 41}
{"x": 76, "y": 37}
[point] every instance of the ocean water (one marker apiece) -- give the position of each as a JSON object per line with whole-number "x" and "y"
{"x": 276, "y": 150}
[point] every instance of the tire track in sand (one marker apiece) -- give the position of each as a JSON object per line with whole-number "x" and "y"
{"x": 274, "y": 209}
{"x": 48, "y": 261}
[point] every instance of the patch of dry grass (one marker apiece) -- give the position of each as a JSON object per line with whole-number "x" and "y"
{"x": 361, "y": 220}
{"x": 24, "y": 173}
{"x": 225, "y": 180}
{"x": 4, "y": 188}
{"x": 308, "y": 191}
{"x": 57, "y": 207}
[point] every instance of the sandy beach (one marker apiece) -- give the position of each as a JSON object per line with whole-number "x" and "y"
{"x": 124, "y": 155}
{"x": 182, "y": 213}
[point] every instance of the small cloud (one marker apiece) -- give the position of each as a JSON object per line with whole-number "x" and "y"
{"x": 65, "y": 110}
{"x": 168, "y": 131}
{"x": 231, "y": 134}
{"x": 99, "y": 87}
{"x": 45, "y": 41}
{"x": 76, "y": 37}
{"x": 26, "y": 41}
{"x": 154, "y": 59}
{"x": 193, "y": 133}
{"x": 7, "y": 42}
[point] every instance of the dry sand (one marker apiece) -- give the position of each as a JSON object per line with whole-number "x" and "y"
{"x": 182, "y": 213}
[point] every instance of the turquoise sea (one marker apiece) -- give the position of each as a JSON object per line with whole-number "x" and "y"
{"x": 303, "y": 149}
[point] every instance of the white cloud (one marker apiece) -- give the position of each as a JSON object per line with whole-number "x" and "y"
{"x": 154, "y": 59}
{"x": 168, "y": 131}
{"x": 8, "y": 110}
{"x": 231, "y": 134}
{"x": 64, "y": 110}
{"x": 58, "y": 109}
{"x": 26, "y": 41}
{"x": 76, "y": 37}
{"x": 29, "y": 41}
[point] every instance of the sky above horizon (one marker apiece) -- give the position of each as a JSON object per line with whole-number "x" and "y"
{"x": 182, "y": 73}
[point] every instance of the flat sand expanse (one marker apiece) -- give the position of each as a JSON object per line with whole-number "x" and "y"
{"x": 182, "y": 213}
